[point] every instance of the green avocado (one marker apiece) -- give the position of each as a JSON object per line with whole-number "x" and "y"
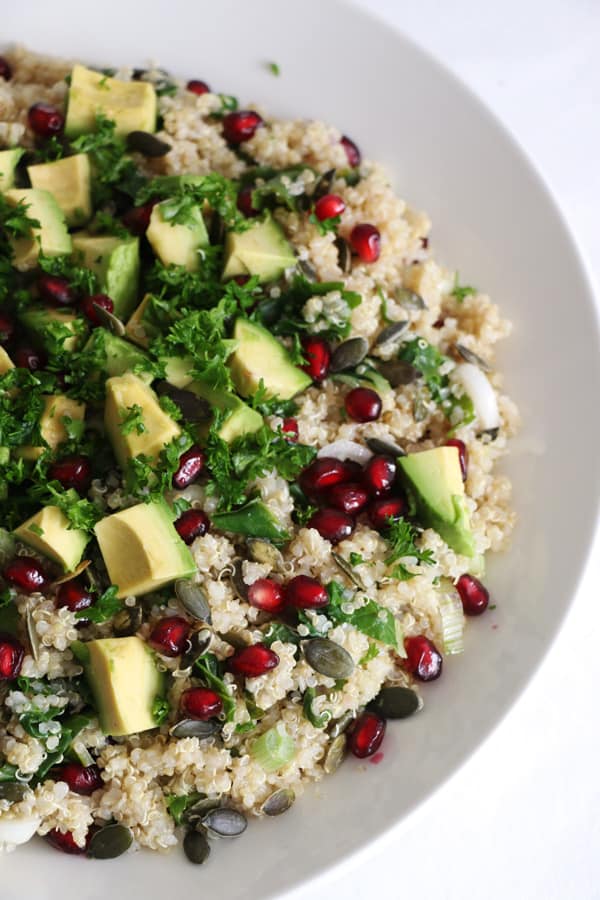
{"x": 254, "y": 519}
{"x": 240, "y": 418}
{"x": 50, "y": 237}
{"x": 261, "y": 250}
{"x": 124, "y": 680}
{"x": 434, "y": 482}
{"x": 49, "y": 533}
{"x": 178, "y": 370}
{"x": 49, "y": 326}
{"x": 69, "y": 180}
{"x": 131, "y": 105}
{"x": 260, "y": 357}
{"x": 57, "y": 408}
{"x": 116, "y": 262}
{"x": 141, "y": 549}
{"x": 6, "y": 363}
{"x": 177, "y": 243}
{"x": 119, "y": 355}
{"x": 9, "y": 160}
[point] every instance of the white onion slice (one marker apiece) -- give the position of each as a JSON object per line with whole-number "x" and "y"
{"x": 475, "y": 383}
{"x": 347, "y": 450}
{"x": 18, "y": 831}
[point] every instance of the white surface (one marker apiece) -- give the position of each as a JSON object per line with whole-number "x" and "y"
{"x": 521, "y": 819}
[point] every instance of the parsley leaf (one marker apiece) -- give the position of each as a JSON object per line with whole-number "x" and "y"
{"x": 461, "y": 291}
{"x": 283, "y": 314}
{"x": 324, "y": 226}
{"x": 104, "y": 608}
{"x": 177, "y": 805}
{"x": 132, "y": 419}
{"x": 401, "y": 536}
{"x": 113, "y": 168}
{"x": 429, "y": 361}
{"x": 81, "y": 513}
{"x": 160, "y": 710}
{"x": 371, "y": 619}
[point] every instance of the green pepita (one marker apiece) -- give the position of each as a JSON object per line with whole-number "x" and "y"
{"x": 225, "y": 822}
{"x": 110, "y": 842}
{"x": 193, "y": 599}
{"x": 109, "y": 320}
{"x": 335, "y": 754}
{"x": 409, "y": 299}
{"x": 349, "y": 354}
{"x": 392, "y": 332}
{"x": 394, "y": 702}
{"x": 471, "y": 357}
{"x": 344, "y": 254}
{"x": 194, "y": 728}
{"x": 265, "y": 553}
{"x": 328, "y": 658}
{"x": 398, "y": 372}
{"x": 377, "y": 445}
{"x": 196, "y": 847}
{"x": 147, "y": 144}
{"x": 278, "y": 802}
{"x": 348, "y": 570}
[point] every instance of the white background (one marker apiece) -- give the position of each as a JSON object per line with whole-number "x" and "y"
{"x": 522, "y": 818}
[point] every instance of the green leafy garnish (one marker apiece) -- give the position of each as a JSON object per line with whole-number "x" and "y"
{"x": 274, "y": 68}
{"x": 316, "y": 719}
{"x": 461, "y": 291}
{"x": 178, "y": 805}
{"x": 401, "y": 537}
{"x": 132, "y": 419}
{"x": 113, "y": 168}
{"x": 160, "y": 710}
{"x": 104, "y": 608}
{"x": 429, "y": 361}
{"x": 372, "y": 619}
{"x": 284, "y": 314}
{"x": 210, "y": 671}
{"x": 324, "y": 226}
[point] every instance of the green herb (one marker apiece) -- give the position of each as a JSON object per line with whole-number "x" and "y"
{"x": 81, "y": 279}
{"x": 428, "y": 360}
{"x": 74, "y": 428}
{"x": 180, "y": 505}
{"x": 271, "y": 406}
{"x": 315, "y": 719}
{"x": 283, "y": 314}
{"x": 371, "y": 619}
{"x": 81, "y": 513}
{"x": 178, "y": 805}
{"x": 211, "y": 673}
{"x": 371, "y": 653}
{"x": 104, "y": 223}
{"x": 114, "y": 170}
{"x": 160, "y": 710}
{"x": 104, "y": 608}
{"x": 356, "y": 559}
{"x": 35, "y": 529}
{"x": 132, "y": 419}
{"x": 182, "y": 195}
{"x": 461, "y": 291}
{"x": 401, "y": 537}
{"x": 8, "y": 772}
{"x": 51, "y": 150}
{"x": 277, "y": 631}
{"x": 70, "y": 729}
{"x": 14, "y": 220}
{"x": 325, "y": 226}
{"x": 229, "y": 103}
{"x": 277, "y": 188}
{"x": 274, "y": 68}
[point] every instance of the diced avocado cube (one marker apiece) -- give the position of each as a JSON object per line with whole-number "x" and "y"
{"x": 433, "y": 479}
{"x": 48, "y": 532}
{"x": 177, "y": 243}
{"x": 261, "y": 357}
{"x": 116, "y": 262}
{"x": 49, "y": 326}
{"x": 140, "y": 329}
{"x": 261, "y": 250}
{"x": 69, "y": 180}
{"x": 240, "y": 418}
{"x": 9, "y": 160}
{"x": 53, "y": 430}
{"x": 131, "y": 105}
{"x": 119, "y": 355}
{"x": 51, "y": 237}
{"x": 254, "y": 519}
{"x": 124, "y": 680}
{"x": 178, "y": 370}
{"x": 141, "y": 549}
{"x": 6, "y": 363}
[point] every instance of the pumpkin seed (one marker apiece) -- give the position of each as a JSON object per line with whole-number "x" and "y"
{"x": 278, "y": 802}
{"x": 147, "y": 144}
{"x": 335, "y": 754}
{"x": 196, "y": 847}
{"x": 328, "y": 658}
{"x": 392, "y": 332}
{"x": 397, "y": 702}
{"x": 193, "y": 599}
{"x": 398, "y": 372}
{"x": 324, "y": 183}
{"x": 70, "y": 575}
{"x": 349, "y": 354}
{"x": 194, "y": 409}
{"x": 194, "y": 728}
{"x": 340, "y": 725}
{"x": 217, "y": 229}
{"x": 199, "y": 644}
{"x": 344, "y": 254}
{"x": 13, "y": 791}
{"x": 194, "y": 814}
{"x": 225, "y": 822}
{"x": 127, "y": 621}
{"x": 377, "y": 445}
{"x": 237, "y": 581}
{"x": 109, "y": 320}
{"x": 110, "y": 842}
{"x": 34, "y": 641}
{"x": 471, "y": 357}
{"x": 264, "y": 552}
{"x": 309, "y": 271}
{"x": 491, "y": 433}
{"x": 348, "y": 571}
{"x": 409, "y": 299}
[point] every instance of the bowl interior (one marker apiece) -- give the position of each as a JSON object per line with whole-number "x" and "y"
{"x": 495, "y": 221}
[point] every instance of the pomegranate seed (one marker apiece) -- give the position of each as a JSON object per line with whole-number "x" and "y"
{"x": 267, "y": 595}
{"x": 191, "y": 464}
{"x": 191, "y": 524}
{"x": 365, "y": 241}
{"x": 332, "y": 524}
{"x": 350, "y": 498}
{"x": 55, "y": 290}
{"x": 363, "y": 404}
{"x": 240, "y": 126}
{"x": 26, "y": 573}
{"x": 244, "y": 202}
{"x": 318, "y": 357}
{"x": 45, "y": 120}
{"x": 73, "y": 595}
{"x": 384, "y": 509}
{"x": 7, "y": 328}
{"x": 88, "y": 307}
{"x": 170, "y": 636}
{"x": 28, "y": 358}
{"x": 463, "y": 455}
{"x": 241, "y": 279}
{"x": 289, "y": 429}
{"x": 352, "y": 152}
{"x": 475, "y": 597}
{"x": 328, "y": 207}
{"x": 201, "y": 703}
{"x": 304, "y": 592}
{"x": 5, "y": 69}
{"x": 11, "y": 656}
{"x": 253, "y": 661}
{"x": 379, "y": 475}
{"x": 367, "y": 734}
{"x": 324, "y": 472}
{"x": 137, "y": 219}
{"x": 81, "y": 779}
{"x": 72, "y": 472}
{"x": 197, "y": 87}
{"x": 424, "y": 660}
{"x": 64, "y": 841}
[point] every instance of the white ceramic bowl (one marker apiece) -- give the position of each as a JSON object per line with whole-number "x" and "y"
{"x": 495, "y": 221}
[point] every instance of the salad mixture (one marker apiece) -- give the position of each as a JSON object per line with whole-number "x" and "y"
{"x": 248, "y": 431}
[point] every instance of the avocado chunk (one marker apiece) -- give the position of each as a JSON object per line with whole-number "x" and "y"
{"x": 124, "y": 395}
{"x": 119, "y": 355}
{"x": 6, "y": 363}
{"x": 124, "y": 680}
{"x": 261, "y": 357}
{"x": 141, "y": 549}
{"x": 131, "y": 105}
{"x": 49, "y": 326}
{"x": 140, "y": 328}
{"x": 434, "y": 482}
{"x": 51, "y": 237}
{"x": 116, "y": 262}
{"x": 261, "y": 250}
{"x": 8, "y": 163}
{"x": 178, "y": 370}
{"x": 48, "y": 532}
{"x": 57, "y": 408}
{"x": 254, "y": 519}
{"x": 69, "y": 180}
{"x": 239, "y": 419}
{"x": 177, "y": 243}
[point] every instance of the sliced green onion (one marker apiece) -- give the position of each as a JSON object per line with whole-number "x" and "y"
{"x": 453, "y": 623}
{"x": 274, "y": 749}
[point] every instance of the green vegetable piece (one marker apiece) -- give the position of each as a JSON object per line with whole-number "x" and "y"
{"x": 274, "y": 749}
{"x": 254, "y": 519}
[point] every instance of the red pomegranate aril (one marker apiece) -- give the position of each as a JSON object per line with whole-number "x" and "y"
{"x": 473, "y": 594}
{"x": 191, "y": 464}
{"x": 201, "y": 703}
{"x": 64, "y": 841}
{"x": 240, "y": 126}
{"x": 137, "y": 219}
{"x": 11, "y": 657}
{"x": 349, "y": 498}
{"x": 45, "y": 120}
{"x": 379, "y": 475}
{"x": 5, "y": 69}
{"x": 88, "y": 307}
{"x": 72, "y": 472}
{"x": 7, "y": 328}
{"x": 352, "y": 152}
{"x": 304, "y": 592}
{"x": 197, "y": 87}
{"x": 244, "y": 202}
{"x": 55, "y": 290}
{"x": 29, "y": 358}
{"x": 253, "y": 661}
{"x": 332, "y": 524}
{"x": 81, "y": 779}
{"x": 386, "y": 508}
{"x": 324, "y": 472}
{"x": 26, "y": 574}
{"x": 267, "y": 595}
{"x": 329, "y": 206}
{"x": 241, "y": 279}
{"x": 423, "y": 659}
{"x": 318, "y": 357}
{"x": 192, "y": 524}
{"x": 289, "y": 428}
{"x": 367, "y": 734}
{"x": 74, "y": 595}
{"x": 170, "y": 636}
{"x": 363, "y": 404}
{"x": 365, "y": 241}
{"x": 463, "y": 455}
